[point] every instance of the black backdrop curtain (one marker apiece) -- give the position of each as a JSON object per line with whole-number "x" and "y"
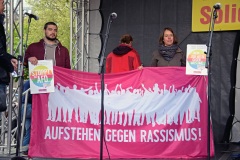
{"x": 145, "y": 19}
{"x": 232, "y": 95}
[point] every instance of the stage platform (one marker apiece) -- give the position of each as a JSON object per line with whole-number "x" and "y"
{"x": 226, "y": 151}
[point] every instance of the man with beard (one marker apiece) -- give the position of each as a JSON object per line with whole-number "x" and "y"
{"x": 48, "y": 48}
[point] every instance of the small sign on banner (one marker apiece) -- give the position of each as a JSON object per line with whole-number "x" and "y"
{"x": 196, "y": 59}
{"x": 41, "y": 77}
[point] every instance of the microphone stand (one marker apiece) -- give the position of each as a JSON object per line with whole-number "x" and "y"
{"x": 101, "y": 71}
{"x": 20, "y": 91}
{"x": 20, "y": 86}
{"x": 208, "y": 65}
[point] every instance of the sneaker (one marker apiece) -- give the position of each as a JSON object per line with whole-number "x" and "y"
{"x": 25, "y": 153}
{"x": 24, "y": 148}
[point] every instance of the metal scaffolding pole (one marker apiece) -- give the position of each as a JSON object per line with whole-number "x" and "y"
{"x": 79, "y": 34}
{"x": 86, "y": 25}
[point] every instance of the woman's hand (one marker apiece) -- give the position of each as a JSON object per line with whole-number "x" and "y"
{"x": 140, "y": 67}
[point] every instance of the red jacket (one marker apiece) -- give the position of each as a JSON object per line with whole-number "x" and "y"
{"x": 38, "y": 50}
{"x": 123, "y": 58}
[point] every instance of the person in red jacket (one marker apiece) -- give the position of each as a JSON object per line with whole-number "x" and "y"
{"x": 48, "y": 48}
{"x": 124, "y": 57}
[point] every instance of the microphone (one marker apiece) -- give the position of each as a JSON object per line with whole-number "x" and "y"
{"x": 217, "y": 6}
{"x": 32, "y": 16}
{"x": 113, "y": 15}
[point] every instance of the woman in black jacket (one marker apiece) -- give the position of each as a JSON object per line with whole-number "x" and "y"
{"x": 168, "y": 53}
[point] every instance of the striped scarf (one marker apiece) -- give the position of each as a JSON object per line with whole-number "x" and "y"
{"x": 168, "y": 52}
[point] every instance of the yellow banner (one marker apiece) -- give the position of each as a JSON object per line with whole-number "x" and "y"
{"x": 228, "y": 16}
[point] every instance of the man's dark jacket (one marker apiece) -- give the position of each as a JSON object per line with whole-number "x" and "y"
{"x": 5, "y": 59}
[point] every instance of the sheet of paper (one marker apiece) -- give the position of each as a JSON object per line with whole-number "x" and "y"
{"x": 196, "y": 59}
{"x": 41, "y": 77}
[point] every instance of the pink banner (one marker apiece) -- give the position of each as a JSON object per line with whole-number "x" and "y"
{"x": 151, "y": 113}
